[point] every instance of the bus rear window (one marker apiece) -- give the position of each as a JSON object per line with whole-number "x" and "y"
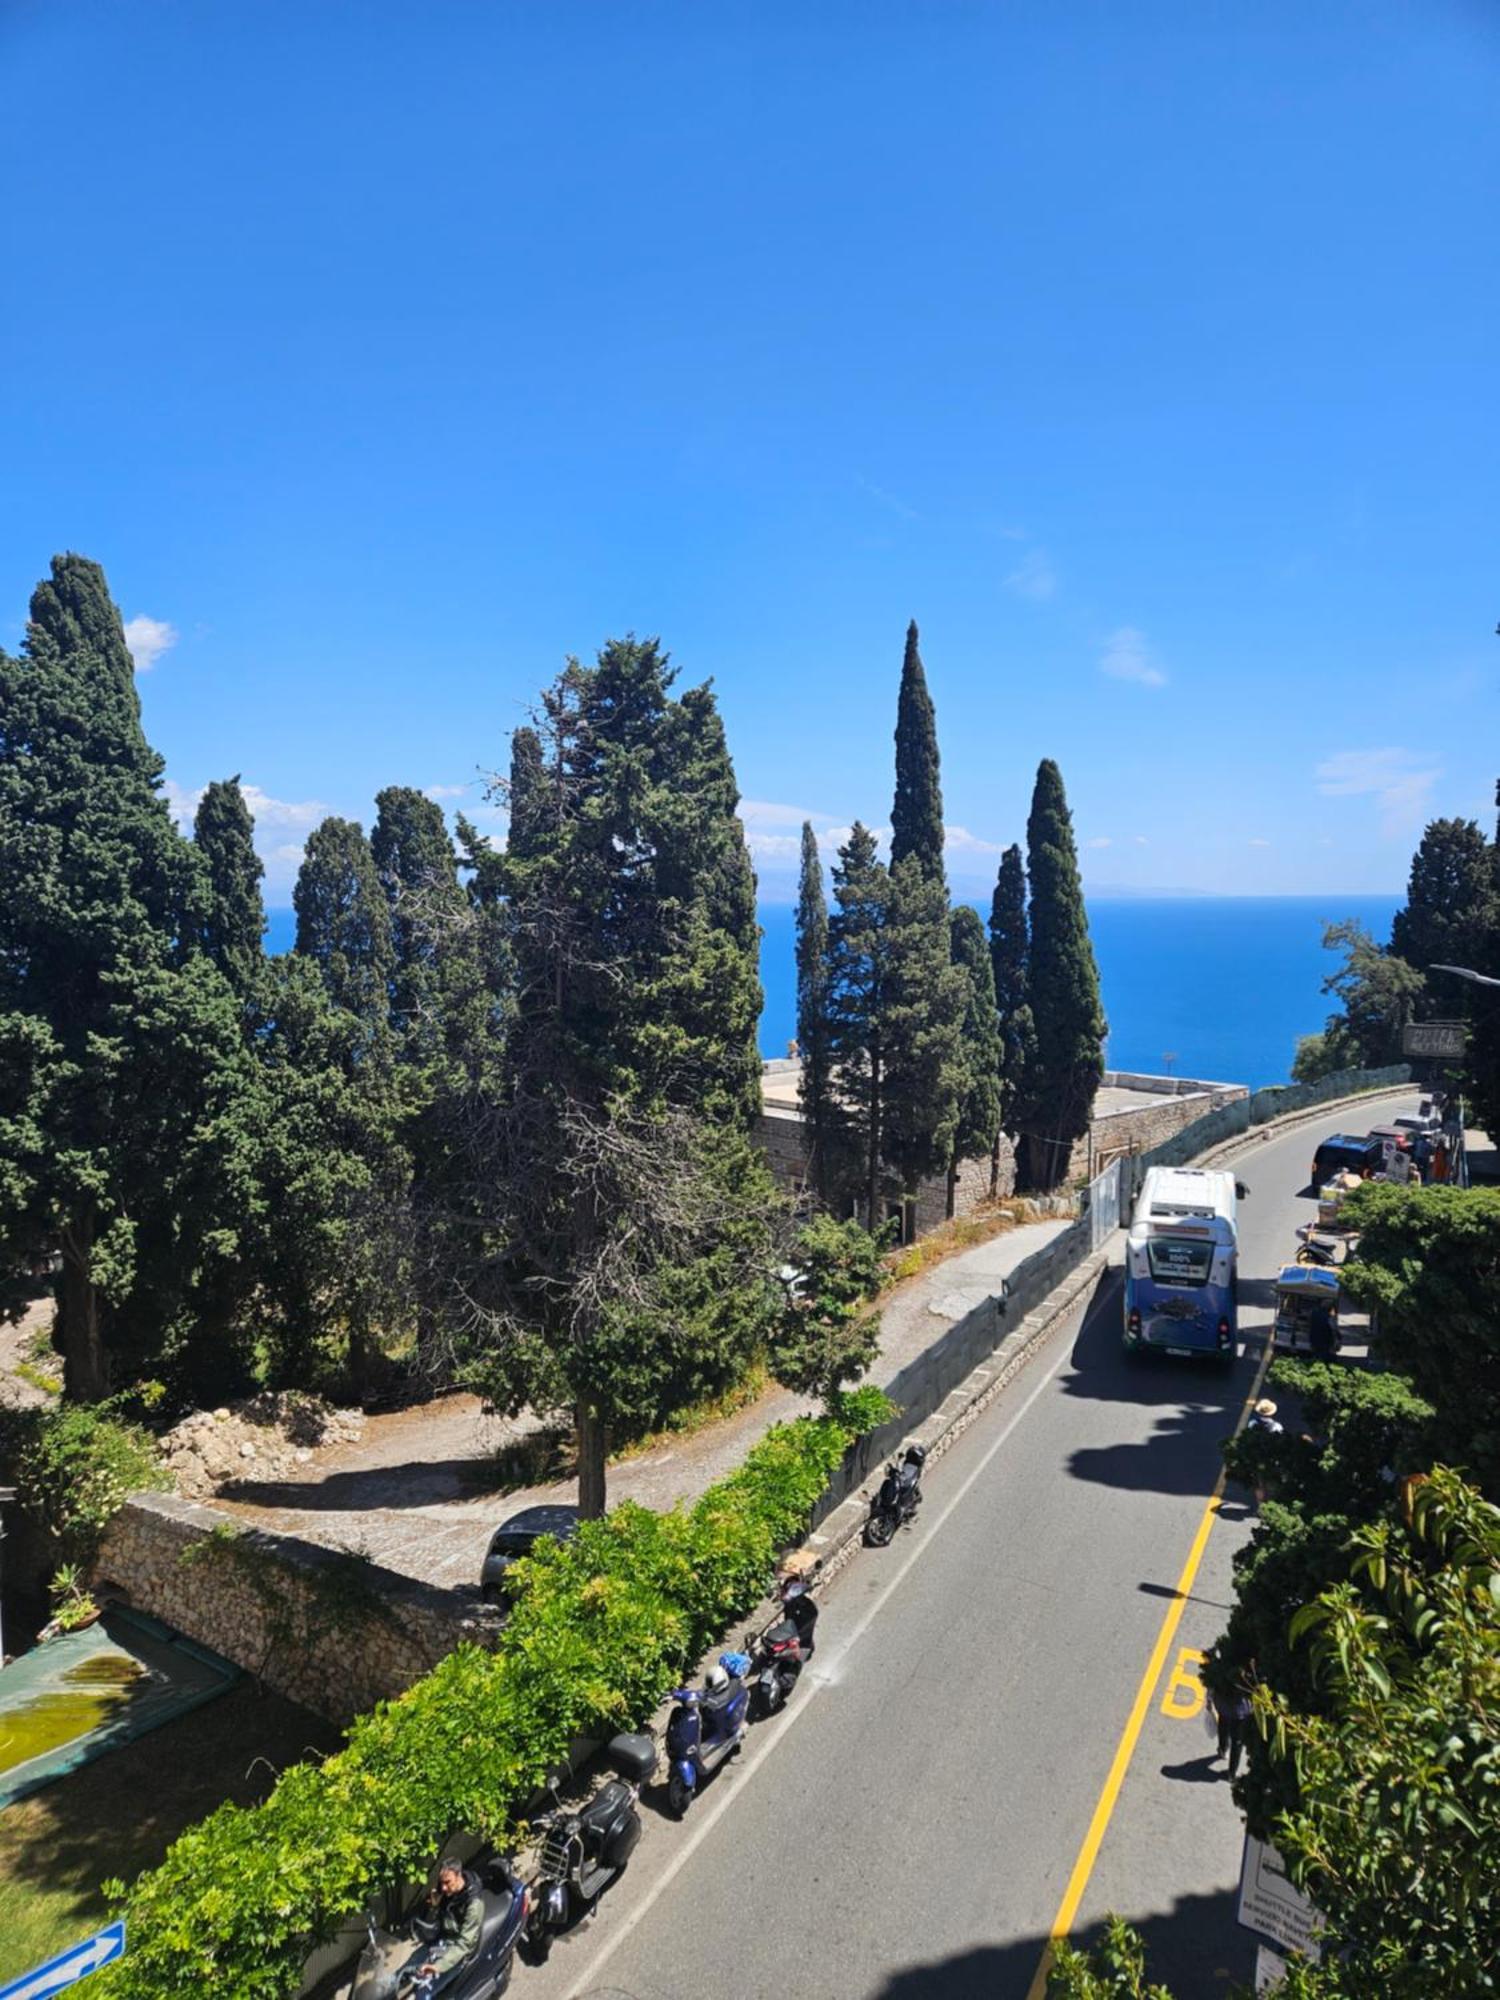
{"x": 1179, "y": 1260}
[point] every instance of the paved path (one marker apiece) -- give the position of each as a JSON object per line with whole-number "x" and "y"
{"x": 417, "y": 1493}
{"x": 909, "y": 1826}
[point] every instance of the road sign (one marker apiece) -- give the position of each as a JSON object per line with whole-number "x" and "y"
{"x": 69, "y": 1966}
{"x": 1270, "y": 1970}
{"x": 1270, "y": 1905}
{"x": 1435, "y": 1041}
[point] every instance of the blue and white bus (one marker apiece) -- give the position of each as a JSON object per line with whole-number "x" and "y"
{"x": 1180, "y": 1262}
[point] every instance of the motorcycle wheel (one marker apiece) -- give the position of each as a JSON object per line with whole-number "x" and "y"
{"x": 535, "y": 1943}
{"x": 878, "y": 1531}
{"x": 679, "y": 1796}
{"x": 773, "y": 1695}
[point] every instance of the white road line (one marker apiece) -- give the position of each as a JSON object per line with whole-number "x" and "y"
{"x": 799, "y": 1708}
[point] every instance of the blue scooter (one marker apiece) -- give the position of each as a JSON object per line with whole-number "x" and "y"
{"x": 705, "y": 1728}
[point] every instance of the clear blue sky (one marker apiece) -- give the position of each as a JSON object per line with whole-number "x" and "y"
{"x": 1146, "y": 354}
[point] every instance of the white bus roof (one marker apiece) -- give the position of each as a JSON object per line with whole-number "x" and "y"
{"x": 1170, "y": 1193}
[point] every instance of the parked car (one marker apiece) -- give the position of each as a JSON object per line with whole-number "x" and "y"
{"x": 518, "y": 1537}
{"x": 1345, "y": 1153}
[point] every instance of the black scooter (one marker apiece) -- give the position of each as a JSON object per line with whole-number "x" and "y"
{"x": 900, "y": 1495}
{"x": 780, "y": 1653}
{"x": 486, "y": 1976}
{"x": 583, "y": 1849}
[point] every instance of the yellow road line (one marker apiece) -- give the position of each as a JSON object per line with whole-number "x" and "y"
{"x": 1083, "y": 1867}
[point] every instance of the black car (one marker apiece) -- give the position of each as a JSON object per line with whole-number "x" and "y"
{"x": 518, "y": 1537}
{"x": 1346, "y": 1154}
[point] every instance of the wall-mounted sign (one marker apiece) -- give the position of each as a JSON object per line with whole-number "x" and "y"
{"x": 1435, "y": 1041}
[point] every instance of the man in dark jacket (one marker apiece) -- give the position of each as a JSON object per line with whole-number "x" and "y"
{"x": 449, "y": 1925}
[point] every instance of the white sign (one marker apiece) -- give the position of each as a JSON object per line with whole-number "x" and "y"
{"x": 1270, "y": 1970}
{"x": 1269, "y": 1903}
{"x": 68, "y": 1966}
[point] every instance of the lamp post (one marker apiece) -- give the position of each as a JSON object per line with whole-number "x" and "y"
{"x": 1466, "y": 972}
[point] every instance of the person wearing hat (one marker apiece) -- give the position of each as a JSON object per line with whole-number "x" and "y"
{"x": 1263, "y": 1417}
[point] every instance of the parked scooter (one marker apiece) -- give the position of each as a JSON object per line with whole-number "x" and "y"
{"x": 779, "y": 1654}
{"x": 705, "y": 1728}
{"x": 379, "y": 1975}
{"x": 582, "y": 1850}
{"x": 900, "y": 1495}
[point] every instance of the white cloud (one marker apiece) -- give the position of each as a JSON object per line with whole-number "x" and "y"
{"x": 440, "y": 792}
{"x": 181, "y": 803}
{"x": 1141, "y": 840}
{"x": 148, "y": 639}
{"x": 959, "y": 840}
{"x": 1127, "y": 657}
{"x": 1033, "y": 576}
{"x": 1100, "y": 840}
{"x": 1400, "y": 780}
{"x": 1260, "y": 843}
{"x": 765, "y": 813}
{"x": 267, "y": 811}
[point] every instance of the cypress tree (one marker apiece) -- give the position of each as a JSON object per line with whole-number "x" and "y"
{"x": 917, "y": 812}
{"x": 1449, "y": 899}
{"x": 815, "y": 1085}
{"x": 981, "y": 1051}
{"x": 1482, "y": 1066}
{"x": 344, "y": 922}
{"x": 416, "y": 868}
{"x": 120, "y": 1049}
{"x": 525, "y": 792}
{"x": 223, "y": 833}
{"x": 1009, "y": 956}
{"x": 857, "y": 955}
{"x": 1068, "y": 1013}
{"x": 921, "y": 1025}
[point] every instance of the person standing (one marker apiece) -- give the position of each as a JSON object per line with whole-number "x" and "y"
{"x": 1232, "y": 1713}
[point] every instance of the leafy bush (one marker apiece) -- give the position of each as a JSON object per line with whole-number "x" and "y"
{"x": 75, "y": 1466}
{"x": 603, "y": 1626}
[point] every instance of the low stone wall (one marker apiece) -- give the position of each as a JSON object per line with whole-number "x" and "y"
{"x": 1138, "y": 1131}
{"x": 334, "y": 1632}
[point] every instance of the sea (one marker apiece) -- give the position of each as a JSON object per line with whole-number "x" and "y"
{"x": 1218, "y": 987}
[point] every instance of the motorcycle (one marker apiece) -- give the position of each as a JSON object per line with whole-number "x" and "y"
{"x": 705, "y": 1728}
{"x": 581, "y": 1851}
{"x": 503, "y": 1897}
{"x": 779, "y": 1654}
{"x": 900, "y": 1495}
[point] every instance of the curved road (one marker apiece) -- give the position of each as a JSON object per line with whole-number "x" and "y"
{"x": 911, "y": 1824}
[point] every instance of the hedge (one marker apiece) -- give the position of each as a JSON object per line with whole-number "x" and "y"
{"x": 603, "y": 1627}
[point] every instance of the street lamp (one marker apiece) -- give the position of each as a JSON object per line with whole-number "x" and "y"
{"x": 1466, "y": 972}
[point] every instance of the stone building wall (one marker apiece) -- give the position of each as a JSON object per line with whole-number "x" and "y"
{"x": 335, "y": 1632}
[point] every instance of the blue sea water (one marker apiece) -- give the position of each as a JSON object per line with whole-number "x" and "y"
{"x": 1221, "y": 986}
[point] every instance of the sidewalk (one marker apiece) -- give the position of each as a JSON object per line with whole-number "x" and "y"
{"x": 416, "y": 1493}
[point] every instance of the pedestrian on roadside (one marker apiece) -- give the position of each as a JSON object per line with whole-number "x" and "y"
{"x": 1322, "y": 1334}
{"x": 1232, "y": 1714}
{"x": 1263, "y": 1418}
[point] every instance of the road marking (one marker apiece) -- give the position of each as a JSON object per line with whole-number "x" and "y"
{"x": 1184, "y": 1693}
{"x": 820, "y": 1679}
{"x": 1083, "y": 1867}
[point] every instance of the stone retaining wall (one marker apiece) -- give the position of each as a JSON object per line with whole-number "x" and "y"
{"x": 334, "y": 1632}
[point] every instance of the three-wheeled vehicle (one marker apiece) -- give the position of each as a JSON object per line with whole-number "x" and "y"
{"x": 1301, "y": 1290}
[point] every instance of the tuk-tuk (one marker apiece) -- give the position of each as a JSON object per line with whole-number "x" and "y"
{"x": 1300, "y": 1290}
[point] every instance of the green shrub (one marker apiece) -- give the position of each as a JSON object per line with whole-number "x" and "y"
{"x": 74, "y": 1468}
{"x": 603, "y": 1626}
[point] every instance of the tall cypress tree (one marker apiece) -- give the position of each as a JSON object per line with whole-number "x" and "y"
{"x": 1009, "y": 959}
{"x": 921, "y": 1025}
{"x": 525, "y": 792}
{"x": 857, "y": 974}
{"x": 981, "y": 1051}
{"x": 917, "y": 812}
{"x": 1069, "y": 1016}
{"x": 120, "y": 1047}
{"x": 344, "y": 922}
{"x": 416, "y": 868}
{"x": 223, "y": 833}
{"x": 815, "y": 1086}
{"x": 1449, "y": 898}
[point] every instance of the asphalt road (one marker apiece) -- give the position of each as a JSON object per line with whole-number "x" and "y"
{"x": 911, "y": 1824}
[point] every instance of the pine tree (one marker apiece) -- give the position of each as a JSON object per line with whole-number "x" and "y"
{"x": 1069, "y": 1017}
{"x": 626, "y": 1211}
{"x": 820, "y": 1113}
{"x": 223, "y": 833}
{"x": 524, "y": 792}
{"x": 344, "y": 922}
{"x": 917, "y": 812}
{"x": 921, "y": 1026}
{"x": 1009, "y": 961}
{"x": 1449, "y": 899}
{"x": 981, "y": 1050}
{"x": 1482, "y": 1065}
{"x": 415, "y": 865}
{"x": 121, "y": 1055}
{"x": 857, "y": 973}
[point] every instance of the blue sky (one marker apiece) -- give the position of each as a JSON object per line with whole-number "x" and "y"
{"x": 385, "y": 355}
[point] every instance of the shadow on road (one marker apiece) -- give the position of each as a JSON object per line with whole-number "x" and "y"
{"x": 1195, "y": 1948}
{"x": 414, "y": 1483}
